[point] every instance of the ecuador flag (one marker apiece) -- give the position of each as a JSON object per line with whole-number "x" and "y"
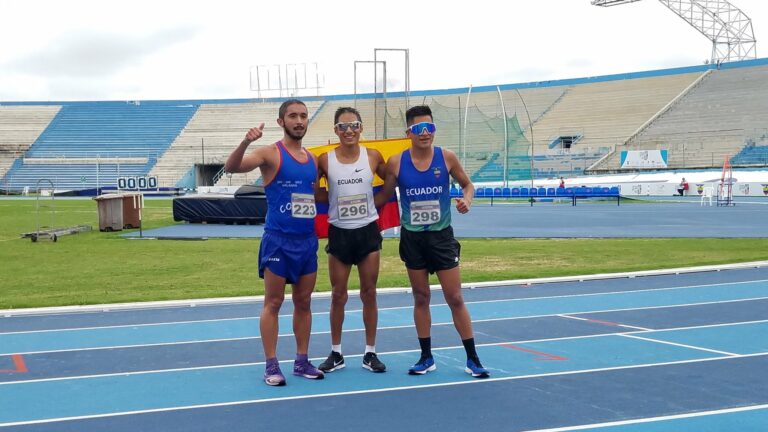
{"x": 389, "y": 215}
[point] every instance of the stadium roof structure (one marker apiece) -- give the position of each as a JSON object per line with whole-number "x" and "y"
{"x": 729, "y": 29}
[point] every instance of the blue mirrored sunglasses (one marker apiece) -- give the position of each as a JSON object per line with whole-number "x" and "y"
{"x": 419, "y": 128}
{"x": 355, "y": 125}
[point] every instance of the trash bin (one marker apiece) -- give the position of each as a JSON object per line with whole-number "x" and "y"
{"x": 110, "y": 208}
{"x": 131, "y": 207}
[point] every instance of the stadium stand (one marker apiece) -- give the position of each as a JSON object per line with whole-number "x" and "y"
{"x": 210, "y": 135}
{"x": 20, "y": 126}
{"x": 603, "y": 114}
{"x": 698, "y": 113}
{"x": 321, "y": 129}
{"x": 223, "y": 126}
{"x": 716, "y": 118}
{"x": 88, "y": 145}
{"x": 751, "y": 155}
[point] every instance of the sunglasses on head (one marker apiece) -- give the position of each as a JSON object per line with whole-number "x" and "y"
{"x": 419, "y": 128}
{"x": 355, "y": 125}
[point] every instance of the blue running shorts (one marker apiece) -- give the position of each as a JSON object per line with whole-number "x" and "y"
{"x": 288, "y": 256}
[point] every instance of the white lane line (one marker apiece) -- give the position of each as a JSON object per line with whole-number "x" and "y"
{"x": 613, "y": 324}
{"x": 175, "y": 304}
{"x": 407, "y": 307}
{"x": 473, "y": 382}
{"x": 516, "y": 342}
{"x": 620, "y": 309}
{"x": 653, "y": 419}
{"x": 448, "y": 323}
{"x": 698, "y": 348}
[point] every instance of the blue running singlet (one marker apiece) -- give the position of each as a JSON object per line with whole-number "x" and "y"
{"x": 291, "y": 195}
{"x": 424, "y": 195}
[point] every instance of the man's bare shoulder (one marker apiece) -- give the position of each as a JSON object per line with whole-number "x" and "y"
{"x": 450, "y": 158}
{"x": 393, "y": 164}
{"x": 268, "y": 149}
{"x": 394, "y": 159}
{"x": 448, "y": 153}
{"x": 322, "y": 161}
{"x": 269, "y": 153}
{"x": 374, "y": 154}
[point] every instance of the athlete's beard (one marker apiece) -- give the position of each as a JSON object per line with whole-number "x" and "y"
{"x": 293, "y": 135}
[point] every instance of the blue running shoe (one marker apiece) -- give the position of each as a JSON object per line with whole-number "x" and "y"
{"x": 475, "y": 369}
{"x": 272, "y": 375}
{"x": 302, "y": 367}
{"x": 424, "y": 365}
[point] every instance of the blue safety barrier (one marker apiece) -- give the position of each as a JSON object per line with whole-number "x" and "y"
{"x": 574, "y": 194}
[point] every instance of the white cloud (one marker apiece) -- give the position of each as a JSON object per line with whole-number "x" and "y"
{"x": 171, "y": 49}
{"x": 90, "y": 54}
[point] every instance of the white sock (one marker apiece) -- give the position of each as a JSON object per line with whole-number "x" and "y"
{"x": 336, "y": 348}
{"x": 370, "y": 348}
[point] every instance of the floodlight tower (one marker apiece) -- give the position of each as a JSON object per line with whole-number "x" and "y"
{"x": 729, "y": 29}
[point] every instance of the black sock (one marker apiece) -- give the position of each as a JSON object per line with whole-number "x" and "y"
{"x": 469, "y": 347}
{"x": 426, "y": 346}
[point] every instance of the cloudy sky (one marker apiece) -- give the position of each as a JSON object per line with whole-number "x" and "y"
{"x": 168, "y": 49}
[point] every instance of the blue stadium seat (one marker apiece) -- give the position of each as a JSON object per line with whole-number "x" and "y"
{"x": 515, "y": 192}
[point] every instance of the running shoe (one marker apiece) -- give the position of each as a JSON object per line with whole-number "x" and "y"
{"x": 273, "y": 376}
{"x": 476, "y": 369}
{"x": 424, "y": 365}
{"x": 372, "y": 363}
{"x": 302, "y": 367}
{"x": 334, "y": 361}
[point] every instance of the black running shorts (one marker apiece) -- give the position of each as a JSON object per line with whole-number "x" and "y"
{"x": 351, "y": 246}
{"x": 430, "y": 250}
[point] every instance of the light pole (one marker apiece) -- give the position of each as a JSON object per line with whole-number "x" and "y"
{"x": 375, "y": 66}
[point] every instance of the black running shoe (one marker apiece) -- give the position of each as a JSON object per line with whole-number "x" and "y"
{"x": 333, "y": 362}
{"x": 372, "y": 363}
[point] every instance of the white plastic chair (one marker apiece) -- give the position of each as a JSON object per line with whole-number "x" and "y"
{"x": 707, "y": 194}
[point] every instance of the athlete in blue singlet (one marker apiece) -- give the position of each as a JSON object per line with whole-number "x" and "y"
{"x": 427, "y": 244}
{"x": 424, "y": 200}
{"x": 289, "y": 245}
{"x": 288, "y": 252}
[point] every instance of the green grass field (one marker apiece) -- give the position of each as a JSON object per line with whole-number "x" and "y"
{"x": 96, "y": 267}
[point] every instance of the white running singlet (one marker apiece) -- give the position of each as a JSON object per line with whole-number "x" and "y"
{"x": 350, "y": 192}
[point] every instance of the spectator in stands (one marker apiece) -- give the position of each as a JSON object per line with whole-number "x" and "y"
{"x": 562, "y": 183}
{"x": 682, "y": 188}
{"x": 427, "y": 244}
{"x": 288, "y": 252}
{"x": 353, "y": 234}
